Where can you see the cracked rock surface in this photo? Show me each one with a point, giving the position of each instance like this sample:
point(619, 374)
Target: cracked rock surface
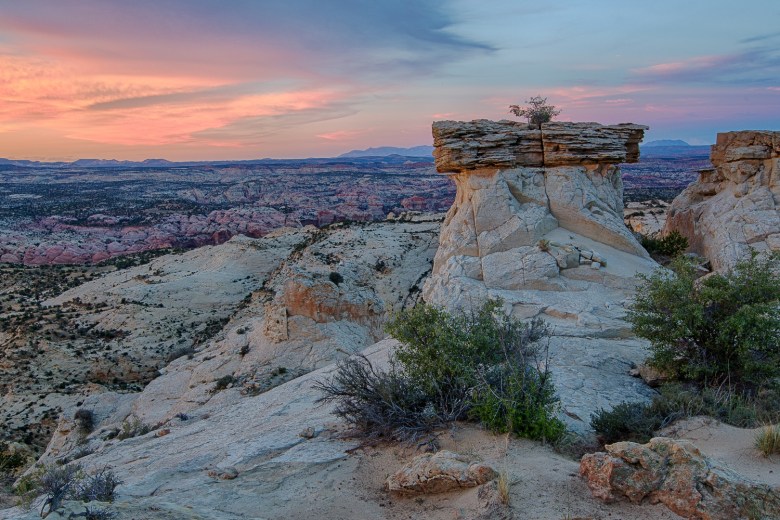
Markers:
point(735, 207)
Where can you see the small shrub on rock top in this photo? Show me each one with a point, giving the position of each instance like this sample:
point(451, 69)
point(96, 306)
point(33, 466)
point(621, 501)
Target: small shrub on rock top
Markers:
point(482, 366)
point(536, 111)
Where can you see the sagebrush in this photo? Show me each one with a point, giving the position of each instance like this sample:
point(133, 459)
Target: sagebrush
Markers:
point(480, 366)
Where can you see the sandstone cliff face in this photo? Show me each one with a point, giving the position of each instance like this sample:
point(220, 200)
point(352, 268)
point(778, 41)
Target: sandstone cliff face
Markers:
point(538, 221)
point(734, 207)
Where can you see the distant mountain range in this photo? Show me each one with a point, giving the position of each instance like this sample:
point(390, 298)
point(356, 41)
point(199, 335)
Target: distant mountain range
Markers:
point(382, 151)
point(384, 154)
point(665, 142)
point(368, 158)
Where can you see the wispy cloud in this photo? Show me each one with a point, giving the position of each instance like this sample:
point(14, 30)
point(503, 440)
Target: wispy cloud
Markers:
point(752, 67)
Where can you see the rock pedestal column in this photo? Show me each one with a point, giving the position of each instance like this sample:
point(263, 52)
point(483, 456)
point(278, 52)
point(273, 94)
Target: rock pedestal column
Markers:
point(516, 185)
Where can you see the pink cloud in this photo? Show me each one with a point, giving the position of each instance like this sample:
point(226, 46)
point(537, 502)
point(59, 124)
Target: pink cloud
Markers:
point(339, 135)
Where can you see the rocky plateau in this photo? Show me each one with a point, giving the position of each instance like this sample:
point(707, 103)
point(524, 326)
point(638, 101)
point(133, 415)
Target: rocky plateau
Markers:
point(226, 343)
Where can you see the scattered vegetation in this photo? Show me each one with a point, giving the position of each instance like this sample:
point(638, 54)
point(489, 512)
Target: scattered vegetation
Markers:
point(723, 329)
point(180, 352)
point(133, 427)
point(222, 383)
point(10, 459)
point(536, 111)
point(638, 422)
point(768, 440)
point(481, 366)
point(58, 483)
point(544, 245)
point(671, 245)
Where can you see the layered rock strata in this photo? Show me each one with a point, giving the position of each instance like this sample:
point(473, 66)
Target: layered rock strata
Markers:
point(538, 222)
point(734, 207)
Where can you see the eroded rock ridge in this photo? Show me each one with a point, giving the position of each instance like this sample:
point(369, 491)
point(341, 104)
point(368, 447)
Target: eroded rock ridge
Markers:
point(735, 206)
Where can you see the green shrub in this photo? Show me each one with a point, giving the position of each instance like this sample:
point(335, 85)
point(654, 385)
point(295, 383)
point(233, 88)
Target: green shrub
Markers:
point(626, 422)
point(723, 328)
point(222, 383)
point(639, 421)
point(335, 277)
point(519, 400)
point(133, 427)
point(671, 245)
point(483, 366)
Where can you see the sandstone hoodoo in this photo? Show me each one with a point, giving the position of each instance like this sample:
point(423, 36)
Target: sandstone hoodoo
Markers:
point(538, 222)
point(515, 185)
point(734, 207)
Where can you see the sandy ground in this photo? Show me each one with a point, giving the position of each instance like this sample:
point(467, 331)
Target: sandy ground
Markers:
point(729, 445)
point(544, 485)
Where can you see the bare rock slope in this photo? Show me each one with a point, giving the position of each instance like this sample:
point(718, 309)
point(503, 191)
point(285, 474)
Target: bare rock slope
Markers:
point(734, 207)
point(249, 314)
point(538, 222)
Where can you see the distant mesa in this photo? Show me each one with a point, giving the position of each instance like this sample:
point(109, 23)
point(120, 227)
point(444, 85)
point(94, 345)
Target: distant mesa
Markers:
point(665, 142)
point(381, 151)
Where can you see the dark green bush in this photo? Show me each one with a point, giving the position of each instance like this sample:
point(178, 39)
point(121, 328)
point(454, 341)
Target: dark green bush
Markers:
point(335, 277)
point(222, 383)
point(626, 422)
point(671, 245)
point(639, 421)
point(519, 400)
point(724, 328)
point(483, 366)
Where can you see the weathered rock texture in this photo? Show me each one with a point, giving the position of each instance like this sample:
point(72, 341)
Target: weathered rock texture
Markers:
point(676, 474)
point(272, 307)
point(439, 472)
point(538, 221)
point(734, 207)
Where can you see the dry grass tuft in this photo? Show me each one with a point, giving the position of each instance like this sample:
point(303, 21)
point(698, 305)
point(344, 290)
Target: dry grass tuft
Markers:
point(768, 440)
point(503, 487)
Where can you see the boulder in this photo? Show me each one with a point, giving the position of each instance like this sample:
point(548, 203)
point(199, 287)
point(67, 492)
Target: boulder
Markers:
point(438, 473)
point(676, 474)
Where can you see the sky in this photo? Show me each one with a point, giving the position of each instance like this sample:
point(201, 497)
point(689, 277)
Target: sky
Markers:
point(247, 79)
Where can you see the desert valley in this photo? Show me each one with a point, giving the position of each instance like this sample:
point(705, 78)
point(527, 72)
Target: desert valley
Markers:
point(389, 260)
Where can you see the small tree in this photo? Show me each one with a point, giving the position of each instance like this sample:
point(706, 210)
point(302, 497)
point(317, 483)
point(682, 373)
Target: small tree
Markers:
point(537, 111)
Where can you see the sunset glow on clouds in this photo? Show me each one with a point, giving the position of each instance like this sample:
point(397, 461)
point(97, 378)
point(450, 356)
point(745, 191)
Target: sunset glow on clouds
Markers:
point(203, 79)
